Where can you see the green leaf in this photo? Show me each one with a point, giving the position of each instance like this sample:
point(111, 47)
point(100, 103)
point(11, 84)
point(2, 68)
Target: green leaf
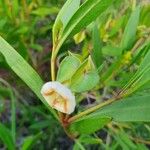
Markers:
point(144, 72)
point(121, 143)
point(30, 141)
point(110, 50)
point(133, 109)
point(36, 47)
point(145, 15)
point(122, 135)
point(89, 124)
point(118, 24)
point(23, 70)
point(5, 136)
point(87, 13)
point(141, 77)
point(40, 125)
point(69, 11)
point(86, 139)
point(85, 82)
point(129, 35)
point(78, 56)
point(64, 16)
point(67, 68)
point(79, 37)
point(84, 79)
point(78, 145)
point(97, 47)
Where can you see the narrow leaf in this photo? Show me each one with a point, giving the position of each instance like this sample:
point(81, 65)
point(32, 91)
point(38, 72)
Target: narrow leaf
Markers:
point(133, 109)
point(87, 13)
point(97, 47)
point(84, 78)
point(141, 77)
point(129, 35)
point(85, 82)
point(64, 16)
point(22, 69)
point(86, 139)
point(89, 124)
point(67, 68)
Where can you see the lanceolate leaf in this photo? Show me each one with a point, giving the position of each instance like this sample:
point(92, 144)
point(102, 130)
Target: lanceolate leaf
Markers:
point(85, 82)
point(67, 68)
point(97, 47)
point(69, 11)
point(84, 79)
point(141, 77)
point(129, 35)
point(22, 69)
point(124, 137)
point(87, 13)
point(144, 71)
point(135, 108)
point(89, 124)
point(87, 139)
point(64, 16)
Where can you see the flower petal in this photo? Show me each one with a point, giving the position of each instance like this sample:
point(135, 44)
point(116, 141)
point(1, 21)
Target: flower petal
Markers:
point(59, 97)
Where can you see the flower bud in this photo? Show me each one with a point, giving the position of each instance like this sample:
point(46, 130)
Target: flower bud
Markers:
point(59, 97)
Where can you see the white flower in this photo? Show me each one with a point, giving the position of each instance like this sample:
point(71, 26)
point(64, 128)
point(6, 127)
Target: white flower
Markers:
point(59, 97)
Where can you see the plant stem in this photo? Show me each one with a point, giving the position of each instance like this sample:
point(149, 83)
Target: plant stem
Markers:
point(53, 67)
point(55, 51)
point(90, 110)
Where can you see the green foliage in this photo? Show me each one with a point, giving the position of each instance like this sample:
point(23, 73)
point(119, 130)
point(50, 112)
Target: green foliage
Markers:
point(110, 50)
point(89, 124)
point(108, 73)
point(97, 48)
point(85, 78)
point(5, 136)
point(22, 69)
point(82, 17)
point(141, 77)
point(67, 68)
point(30, 141)
point(63, 17)
point(133, 109)
point(130, 31)
point(87, 12)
